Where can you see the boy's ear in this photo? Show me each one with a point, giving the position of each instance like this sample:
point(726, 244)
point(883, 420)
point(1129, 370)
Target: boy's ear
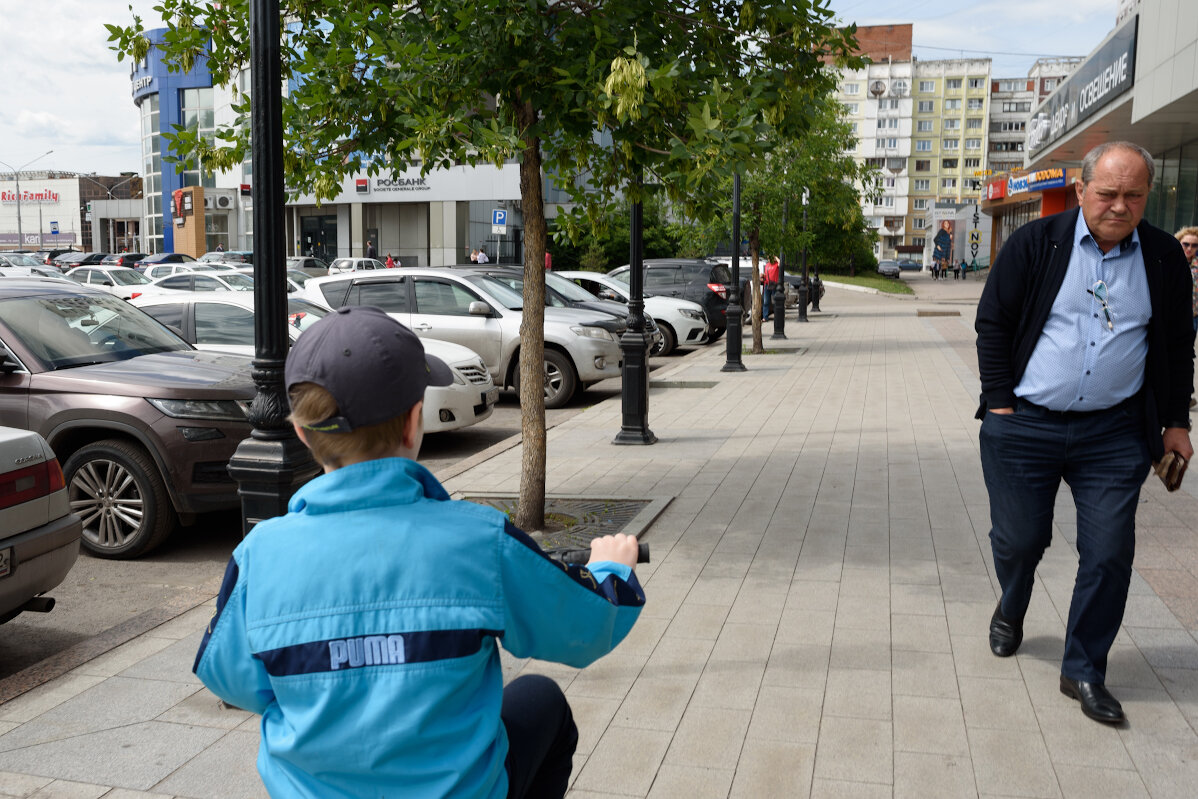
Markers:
point(412, 425)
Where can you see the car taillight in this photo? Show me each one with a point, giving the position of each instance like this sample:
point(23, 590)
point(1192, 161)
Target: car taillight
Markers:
point(31, 482)
point(719, 288)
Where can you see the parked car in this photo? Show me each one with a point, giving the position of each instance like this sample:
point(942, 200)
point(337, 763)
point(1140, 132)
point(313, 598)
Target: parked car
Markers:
point(47, 256)
point(144, 423)
point(163, 258)
point(224, 322)
point(205, 281)
point(236, 257)
point(19, 264)
point(124, 282)
point(157, 271)
point(39, 536)
point(906, 264)
point(483, 314)
point(702, 281)
point(680, 321)
point(123, 259)
point(69, 260)
point(889, 268)
point(295, 278)
point(340, 265)
point(315, 267)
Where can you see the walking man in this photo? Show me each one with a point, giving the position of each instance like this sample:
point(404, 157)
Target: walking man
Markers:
point(1085, 350)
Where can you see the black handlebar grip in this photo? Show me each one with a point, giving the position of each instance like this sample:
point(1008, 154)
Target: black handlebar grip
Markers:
point(581, 556)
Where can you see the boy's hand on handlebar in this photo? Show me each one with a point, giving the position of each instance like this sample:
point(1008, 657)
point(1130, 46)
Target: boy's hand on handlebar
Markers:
point(618, 548)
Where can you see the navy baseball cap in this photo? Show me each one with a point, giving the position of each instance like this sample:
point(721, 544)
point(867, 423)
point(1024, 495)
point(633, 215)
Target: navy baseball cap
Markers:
point(374, 367)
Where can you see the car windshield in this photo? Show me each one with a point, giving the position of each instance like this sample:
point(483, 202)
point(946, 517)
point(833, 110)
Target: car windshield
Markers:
point(624, 277)
point(68, 331)
point(16, 259)
point(568, 289)
point(302, 314)
point(238, 281)
point(299, 277)
point(128, 277)
point(504, 295)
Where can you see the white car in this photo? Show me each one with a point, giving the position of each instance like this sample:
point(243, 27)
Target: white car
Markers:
point(39, 536)
point(122, 281)
point(224, 322)
point(480, 312)
point(155, 271)
point(340, 265)
point(206, 281)
point(680, 321)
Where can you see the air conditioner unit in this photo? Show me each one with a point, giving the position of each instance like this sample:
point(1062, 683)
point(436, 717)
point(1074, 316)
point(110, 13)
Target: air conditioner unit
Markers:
point(207, 203)
point(224, 201)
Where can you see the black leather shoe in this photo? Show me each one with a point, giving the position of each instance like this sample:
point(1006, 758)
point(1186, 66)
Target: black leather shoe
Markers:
point(1005, 634)
point(1097, 702)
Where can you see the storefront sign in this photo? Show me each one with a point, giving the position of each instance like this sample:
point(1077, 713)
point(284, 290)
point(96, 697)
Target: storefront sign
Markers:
point(1046, 179)
point(1016, 185)
point(1107, 74)
point(362, 185)
point(401, 184)
point(996, 190)
point(41, 196)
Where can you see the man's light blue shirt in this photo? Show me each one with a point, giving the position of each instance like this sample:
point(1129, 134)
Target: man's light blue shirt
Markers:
point(1079, 364)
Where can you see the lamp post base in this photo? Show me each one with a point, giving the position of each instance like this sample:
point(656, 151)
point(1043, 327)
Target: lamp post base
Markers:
point(268, 472)
point(634, 390)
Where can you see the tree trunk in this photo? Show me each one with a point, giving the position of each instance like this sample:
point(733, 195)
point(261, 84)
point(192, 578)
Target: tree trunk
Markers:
point(755, 315)
point(530, 511)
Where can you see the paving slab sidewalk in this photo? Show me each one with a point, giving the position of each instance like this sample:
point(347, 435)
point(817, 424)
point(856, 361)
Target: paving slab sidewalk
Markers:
point(817, 604)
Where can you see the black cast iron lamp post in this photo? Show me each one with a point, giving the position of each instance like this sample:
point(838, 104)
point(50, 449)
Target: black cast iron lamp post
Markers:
point(634, 387)
point(779, 309)
point(803, 285)
point(733, 362)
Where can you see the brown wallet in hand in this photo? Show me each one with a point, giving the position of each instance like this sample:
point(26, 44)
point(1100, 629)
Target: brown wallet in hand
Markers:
point(1171, 469)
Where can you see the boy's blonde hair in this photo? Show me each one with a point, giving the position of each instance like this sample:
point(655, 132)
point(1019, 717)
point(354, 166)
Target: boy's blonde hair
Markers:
point(311, 404)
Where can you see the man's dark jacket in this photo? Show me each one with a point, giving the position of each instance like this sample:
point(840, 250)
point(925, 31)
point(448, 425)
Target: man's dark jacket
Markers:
point(1018, 297)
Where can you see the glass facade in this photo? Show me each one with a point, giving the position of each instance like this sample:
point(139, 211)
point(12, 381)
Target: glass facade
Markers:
point(198, 113)
point(151, 154)
point(1171, 205)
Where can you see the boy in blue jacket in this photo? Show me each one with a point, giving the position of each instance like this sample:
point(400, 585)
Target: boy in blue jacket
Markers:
point(364, 625)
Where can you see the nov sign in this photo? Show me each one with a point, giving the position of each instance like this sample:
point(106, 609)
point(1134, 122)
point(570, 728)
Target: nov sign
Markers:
point(499, 222)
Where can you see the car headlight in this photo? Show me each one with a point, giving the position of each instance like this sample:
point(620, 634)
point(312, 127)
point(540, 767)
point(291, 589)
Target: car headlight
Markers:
point(592, 332)
point(458, 380)
point(693, 314)
point(212, 410)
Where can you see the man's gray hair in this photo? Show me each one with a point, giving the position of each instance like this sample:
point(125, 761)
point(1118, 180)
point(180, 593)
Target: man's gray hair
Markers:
point(1094, 156)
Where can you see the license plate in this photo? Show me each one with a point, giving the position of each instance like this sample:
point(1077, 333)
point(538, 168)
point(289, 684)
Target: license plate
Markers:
point(5, 561)
point(491, 396)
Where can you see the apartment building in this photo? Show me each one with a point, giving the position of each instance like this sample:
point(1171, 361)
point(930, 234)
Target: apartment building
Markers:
point(1011, 104)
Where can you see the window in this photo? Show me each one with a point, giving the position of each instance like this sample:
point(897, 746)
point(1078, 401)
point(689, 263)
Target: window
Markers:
point(948, 183)
point(924, 126)
point(391, 296)
point(1010, 127)
point(972, 163)
point(952, 105)
point(976, 103)
point(852, 88)
point(927, 106)
point(442, 297)
point(1011, 85)
point(952, 124)
point(891, 143)
point(948, 163)
point(217, 323)
point(1011, 108)
point(920, 203)
point(919, 223)
point(923, 184)
point(923, 145)
point(1050, 83)
point(918, 241)
point(852, 108)
point(923, 166)
point(973, 144)
point(888, 202)
point(927, 85)
point(1006, 146)
point(853, 127)
point(889, 182)
point(952, 83)
point(951, 144)
point(973, 123)
point(977, 83)
point(891, 104)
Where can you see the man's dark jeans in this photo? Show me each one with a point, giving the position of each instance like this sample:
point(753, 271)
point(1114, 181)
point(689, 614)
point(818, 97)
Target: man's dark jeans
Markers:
point(1103, 458)
point(541, 736)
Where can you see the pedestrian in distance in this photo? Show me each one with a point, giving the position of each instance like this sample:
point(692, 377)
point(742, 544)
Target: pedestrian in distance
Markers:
point(220, 248)
point(474, 256)
point(364, 625)
point(770, 276)
point(1085, 352)
point(370, 249)
point(482, 256)
point(1188, 237)
point(390, 262)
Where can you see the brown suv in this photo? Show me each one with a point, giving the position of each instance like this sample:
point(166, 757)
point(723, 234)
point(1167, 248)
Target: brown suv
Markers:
point(143, 423)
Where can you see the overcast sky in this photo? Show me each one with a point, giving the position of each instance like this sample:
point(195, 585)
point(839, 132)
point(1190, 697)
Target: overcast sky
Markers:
point(62, 89)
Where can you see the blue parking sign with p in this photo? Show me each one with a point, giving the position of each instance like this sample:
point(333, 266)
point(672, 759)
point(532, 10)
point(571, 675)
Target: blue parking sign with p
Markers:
point(498, 216)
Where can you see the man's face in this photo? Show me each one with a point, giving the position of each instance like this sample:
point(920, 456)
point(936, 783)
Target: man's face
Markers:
point(1113, 201)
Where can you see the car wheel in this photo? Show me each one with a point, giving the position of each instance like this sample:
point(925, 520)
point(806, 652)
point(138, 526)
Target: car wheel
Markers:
point(716, 335)
point(560, 380)
point(116, 489)
point(669, 340)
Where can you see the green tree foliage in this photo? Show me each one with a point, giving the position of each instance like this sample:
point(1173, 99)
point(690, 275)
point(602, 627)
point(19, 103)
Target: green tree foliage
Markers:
point(606, 245)
point(682, 92)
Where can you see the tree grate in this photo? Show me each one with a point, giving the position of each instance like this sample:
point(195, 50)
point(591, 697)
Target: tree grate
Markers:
point(572, 522)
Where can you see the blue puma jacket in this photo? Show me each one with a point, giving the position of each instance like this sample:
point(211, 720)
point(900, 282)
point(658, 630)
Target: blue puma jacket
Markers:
point(363, 627)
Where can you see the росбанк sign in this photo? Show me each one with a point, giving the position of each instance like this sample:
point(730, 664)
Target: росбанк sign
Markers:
point(1105, 76)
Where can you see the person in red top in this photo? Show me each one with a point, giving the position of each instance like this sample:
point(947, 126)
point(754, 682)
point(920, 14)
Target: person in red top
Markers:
point(390, 262)
point(769, 281)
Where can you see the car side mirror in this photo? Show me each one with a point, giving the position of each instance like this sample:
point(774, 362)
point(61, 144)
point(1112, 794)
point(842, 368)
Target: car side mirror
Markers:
point(105, 282)
point(479, 308)
point(8, 364)
point(608, 294)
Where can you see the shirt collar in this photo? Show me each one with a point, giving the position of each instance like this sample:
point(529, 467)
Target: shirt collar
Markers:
point(1081, 233)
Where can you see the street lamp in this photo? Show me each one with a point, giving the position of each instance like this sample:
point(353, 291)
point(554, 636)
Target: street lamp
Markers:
point(733, 362)
point(804, 286)
point(16, 173)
